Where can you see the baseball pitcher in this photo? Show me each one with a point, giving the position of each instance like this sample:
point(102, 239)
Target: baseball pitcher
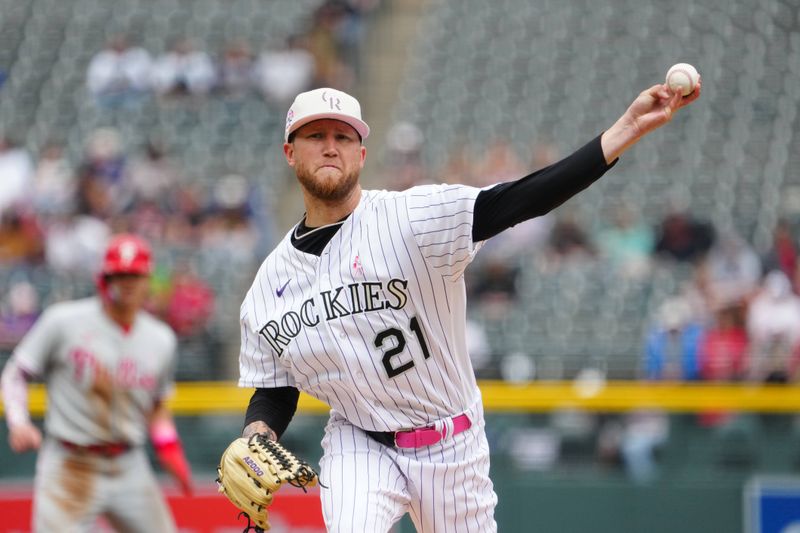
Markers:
point(362, 305)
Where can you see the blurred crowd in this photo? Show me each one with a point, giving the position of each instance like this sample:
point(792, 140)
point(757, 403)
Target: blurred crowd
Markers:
point(737, 317)
point(56, 216)
point(326, 54)
point(58, 207)
point(734, 319)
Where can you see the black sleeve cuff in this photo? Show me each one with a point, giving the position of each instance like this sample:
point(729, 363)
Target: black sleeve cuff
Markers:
point(275, 407)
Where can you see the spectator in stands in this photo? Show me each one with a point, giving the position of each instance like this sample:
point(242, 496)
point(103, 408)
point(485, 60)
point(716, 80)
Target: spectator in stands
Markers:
point(94, 198)
point(672, 345)
point(21, 237)
point(724, 355)
point(76, 245)
point(18, 312)
point(479, 348)
point(696, 292)
point(187, 212)
point(281, 74)
point(671, 354)
point(644, 432)
point(16, 174)
point(404, 166)
point(146, 217)
point(682, 237)
point(493, 286)
point(493, 276)
point(187, 302)
point(153, 175)
point(53, 182)
point(119, 75)
point(190, 303)
point(350, 30)
point(733, 269)
point(568, 241)
point(228, 232)
point(183, 71)
point(235, 70)
point(628, 244)
point(773, 326)
point(102, 188)
point(325, 46)
point(152, 180)
point(783, 253)
point(104, 157)
point(724, 346)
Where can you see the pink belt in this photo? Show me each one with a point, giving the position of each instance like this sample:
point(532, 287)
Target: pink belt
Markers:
point(427, 436)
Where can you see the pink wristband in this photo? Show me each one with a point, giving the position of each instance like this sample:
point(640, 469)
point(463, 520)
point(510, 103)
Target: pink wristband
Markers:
point(163, 434)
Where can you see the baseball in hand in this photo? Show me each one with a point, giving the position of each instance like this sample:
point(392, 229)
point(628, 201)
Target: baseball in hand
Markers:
point(682, 77)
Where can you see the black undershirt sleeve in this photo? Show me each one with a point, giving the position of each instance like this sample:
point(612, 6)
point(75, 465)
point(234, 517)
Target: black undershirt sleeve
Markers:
point(508, 204)
point(275, 407)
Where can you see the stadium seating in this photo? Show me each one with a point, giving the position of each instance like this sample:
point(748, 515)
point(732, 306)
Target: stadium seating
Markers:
point(529, 71)
point(47, 45)
point(46, 48)
point(479, 72)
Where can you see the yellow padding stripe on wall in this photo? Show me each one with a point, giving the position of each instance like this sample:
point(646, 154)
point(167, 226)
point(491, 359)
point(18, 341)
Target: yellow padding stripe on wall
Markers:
point(194, 398)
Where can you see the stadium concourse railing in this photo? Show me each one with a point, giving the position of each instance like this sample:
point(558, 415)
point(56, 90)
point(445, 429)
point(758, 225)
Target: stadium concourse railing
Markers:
point(197, 398)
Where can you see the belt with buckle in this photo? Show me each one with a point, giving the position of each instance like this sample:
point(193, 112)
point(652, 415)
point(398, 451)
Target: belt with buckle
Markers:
point(421, 437)
point(107, 449)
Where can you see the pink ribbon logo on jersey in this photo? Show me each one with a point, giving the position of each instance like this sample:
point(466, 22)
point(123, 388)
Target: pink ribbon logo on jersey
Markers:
point(357, 268)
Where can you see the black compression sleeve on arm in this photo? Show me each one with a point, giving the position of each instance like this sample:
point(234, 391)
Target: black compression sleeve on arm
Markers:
point(275, 407)
point(508, 204)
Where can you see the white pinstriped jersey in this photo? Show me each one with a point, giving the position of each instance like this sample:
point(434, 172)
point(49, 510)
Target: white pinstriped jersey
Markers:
point(374, 326)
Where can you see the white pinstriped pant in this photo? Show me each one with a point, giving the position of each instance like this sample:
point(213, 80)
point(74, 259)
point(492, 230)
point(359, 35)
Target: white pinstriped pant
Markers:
point(445, 487)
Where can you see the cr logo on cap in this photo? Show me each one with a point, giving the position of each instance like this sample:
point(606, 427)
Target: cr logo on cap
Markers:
point(333, 101)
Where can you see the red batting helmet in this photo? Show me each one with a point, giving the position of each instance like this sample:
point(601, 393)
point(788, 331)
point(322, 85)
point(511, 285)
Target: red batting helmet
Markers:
point(127, 254)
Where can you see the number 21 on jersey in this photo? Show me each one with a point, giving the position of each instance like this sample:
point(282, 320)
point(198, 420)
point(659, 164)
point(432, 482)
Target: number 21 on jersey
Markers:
point(397, 347)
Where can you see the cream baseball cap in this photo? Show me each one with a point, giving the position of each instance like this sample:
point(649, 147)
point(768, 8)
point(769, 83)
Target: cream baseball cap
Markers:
point(325, 103)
